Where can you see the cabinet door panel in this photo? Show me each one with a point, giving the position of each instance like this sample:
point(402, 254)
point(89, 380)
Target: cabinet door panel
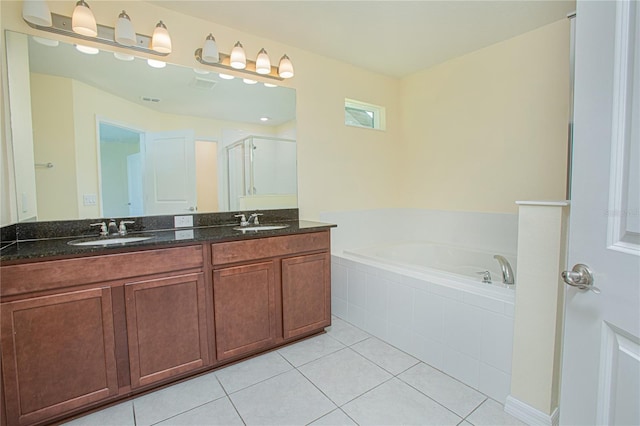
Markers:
point(57, 354)
point(244, 308)
point(306, 294)
point(166, 326)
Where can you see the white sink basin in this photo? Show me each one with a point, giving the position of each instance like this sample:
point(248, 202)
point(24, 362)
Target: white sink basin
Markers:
point(108, 241)
point(260, 227)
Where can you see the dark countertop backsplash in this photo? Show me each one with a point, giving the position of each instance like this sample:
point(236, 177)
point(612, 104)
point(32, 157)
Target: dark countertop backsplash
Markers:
point(38, 240)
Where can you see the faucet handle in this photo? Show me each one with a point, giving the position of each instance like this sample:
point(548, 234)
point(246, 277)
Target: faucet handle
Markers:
point(103, 228)
point(122, 229)
point(486, 276)
point(243, 219)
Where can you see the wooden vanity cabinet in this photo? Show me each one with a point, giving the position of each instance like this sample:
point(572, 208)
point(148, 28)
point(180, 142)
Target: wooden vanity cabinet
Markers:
point(63, 347)
point(270, 290)
point(244, 299)
point(306, 295)
point(166, 327)
point(57, 354)
point(80, 332)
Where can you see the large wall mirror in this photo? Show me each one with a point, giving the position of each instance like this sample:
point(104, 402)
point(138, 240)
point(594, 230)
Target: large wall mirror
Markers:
point(99, 134)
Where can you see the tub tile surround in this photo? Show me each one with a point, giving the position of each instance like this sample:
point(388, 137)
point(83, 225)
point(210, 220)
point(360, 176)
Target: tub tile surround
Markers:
point(488, 231)
point(435, 324)
point(371, 382)
point(468, 335)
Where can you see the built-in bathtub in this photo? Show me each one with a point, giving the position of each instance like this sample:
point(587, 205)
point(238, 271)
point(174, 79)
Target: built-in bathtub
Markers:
point(460, 267)
point(428, 300)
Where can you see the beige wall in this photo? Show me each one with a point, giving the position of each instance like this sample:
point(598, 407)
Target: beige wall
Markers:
point(475, 133)
point(489, 128)
point(54, 142)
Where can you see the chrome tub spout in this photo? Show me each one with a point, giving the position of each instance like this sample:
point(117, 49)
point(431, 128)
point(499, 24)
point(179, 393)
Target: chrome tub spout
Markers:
point(507, 272)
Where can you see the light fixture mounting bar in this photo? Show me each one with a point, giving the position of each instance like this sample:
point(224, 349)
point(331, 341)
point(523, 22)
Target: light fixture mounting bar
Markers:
point(106, 35)
point(250, 68)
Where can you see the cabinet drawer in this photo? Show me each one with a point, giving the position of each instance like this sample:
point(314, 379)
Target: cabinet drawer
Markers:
point(251, 250)
point(17, 279)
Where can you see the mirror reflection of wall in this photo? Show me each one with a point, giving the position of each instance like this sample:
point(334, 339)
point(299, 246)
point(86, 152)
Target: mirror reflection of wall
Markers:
point(79, 102)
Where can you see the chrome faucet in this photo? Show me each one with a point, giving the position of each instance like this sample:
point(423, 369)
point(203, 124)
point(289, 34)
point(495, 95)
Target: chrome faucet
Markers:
point(113, 227)
point(507, 272)
point(254, 217)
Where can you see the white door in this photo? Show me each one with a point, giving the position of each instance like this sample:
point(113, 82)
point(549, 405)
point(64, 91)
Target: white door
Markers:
point(170, 172)
point(134, 184)
point(601, 357)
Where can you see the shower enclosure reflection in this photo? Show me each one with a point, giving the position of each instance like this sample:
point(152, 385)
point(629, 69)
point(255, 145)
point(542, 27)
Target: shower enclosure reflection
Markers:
point(261, 173)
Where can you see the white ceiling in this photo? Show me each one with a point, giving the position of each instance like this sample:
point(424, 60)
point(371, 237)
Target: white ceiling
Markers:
point(395, 38)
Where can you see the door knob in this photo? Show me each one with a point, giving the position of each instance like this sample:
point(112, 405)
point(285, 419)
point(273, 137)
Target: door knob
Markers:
point(581, 277)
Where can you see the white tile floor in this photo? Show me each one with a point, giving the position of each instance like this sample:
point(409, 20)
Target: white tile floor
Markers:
point(344, 377)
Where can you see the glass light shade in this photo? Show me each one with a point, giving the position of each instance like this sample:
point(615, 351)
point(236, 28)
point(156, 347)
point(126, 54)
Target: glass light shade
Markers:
point(36, 12)
point(123, 56)
point(285, 68)
point(125, 35)
point(83, 22)
point(154, 63)
point(249, 81)
point(263, 63)
point(210, 50)
point(161, 40)
point(270, 85)
point(46, 41)
point(238, 59)
point(226, 76)
point(200, 71)
point(87, 49)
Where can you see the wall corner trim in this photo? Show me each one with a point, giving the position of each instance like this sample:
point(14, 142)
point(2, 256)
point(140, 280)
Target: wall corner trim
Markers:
point(530, 415)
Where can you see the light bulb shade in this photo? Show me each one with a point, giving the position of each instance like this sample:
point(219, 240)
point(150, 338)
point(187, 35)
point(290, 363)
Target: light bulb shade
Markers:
point(125, 35)
point(285, 68)
point(263, 63)
point(89, 50)
point(83, 22)
point(123, 56)
point(210, 50)
point(154, 63)
point(36, 12)
point(238, 59)
point(160, 40)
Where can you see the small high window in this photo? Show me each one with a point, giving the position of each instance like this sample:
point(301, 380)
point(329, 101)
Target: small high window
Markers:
point(362, 114)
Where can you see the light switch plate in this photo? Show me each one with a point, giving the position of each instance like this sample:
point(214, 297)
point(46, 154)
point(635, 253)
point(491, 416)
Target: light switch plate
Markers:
point(89, 199)
point(183, 221)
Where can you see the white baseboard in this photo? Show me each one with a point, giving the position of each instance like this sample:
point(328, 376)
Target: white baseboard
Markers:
point(530, 415)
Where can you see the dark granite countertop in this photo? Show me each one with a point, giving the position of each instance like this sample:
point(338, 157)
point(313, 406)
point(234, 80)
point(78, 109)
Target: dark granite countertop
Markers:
point(42, 249)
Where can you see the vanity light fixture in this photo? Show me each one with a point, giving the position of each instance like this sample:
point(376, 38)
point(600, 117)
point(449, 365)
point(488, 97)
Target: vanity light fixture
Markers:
point(124, 33)
point(82, 21)
point(36, 12)
point(161, 40)
point(210, 50)
point(285, 67)
point(263, 63)
point(238, 59)
point(82, 25)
